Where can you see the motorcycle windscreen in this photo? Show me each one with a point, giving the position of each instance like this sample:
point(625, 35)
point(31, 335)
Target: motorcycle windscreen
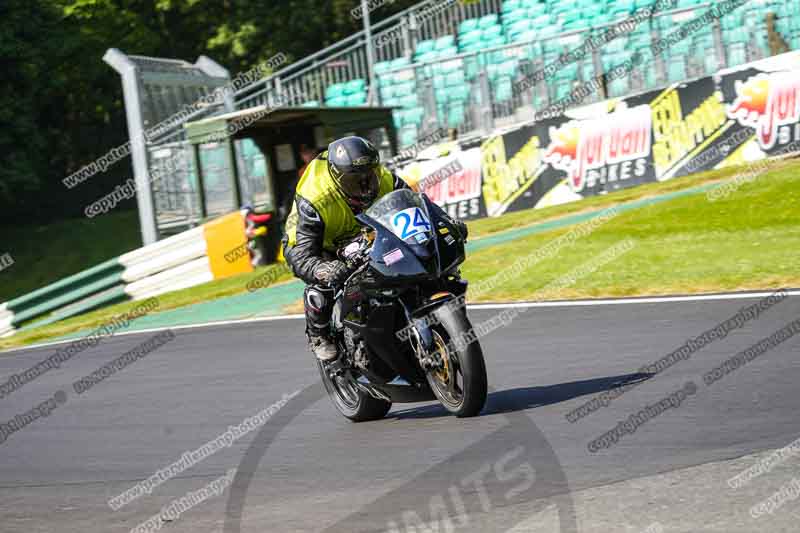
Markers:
point(405, 214)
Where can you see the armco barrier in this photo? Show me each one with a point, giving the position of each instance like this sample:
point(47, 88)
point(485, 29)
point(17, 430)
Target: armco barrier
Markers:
point(741, 115)
point(178, 262)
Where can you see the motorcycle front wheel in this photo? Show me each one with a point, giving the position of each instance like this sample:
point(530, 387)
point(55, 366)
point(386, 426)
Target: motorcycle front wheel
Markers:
point(460, 383)
point(351, 401)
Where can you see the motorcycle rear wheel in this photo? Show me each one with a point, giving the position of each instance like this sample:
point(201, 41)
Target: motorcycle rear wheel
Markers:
point(352, 402)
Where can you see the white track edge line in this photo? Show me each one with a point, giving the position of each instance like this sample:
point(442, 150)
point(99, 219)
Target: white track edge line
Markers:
point(477, 307)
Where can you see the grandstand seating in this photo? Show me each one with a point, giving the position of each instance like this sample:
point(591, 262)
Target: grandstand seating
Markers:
point(544, 29)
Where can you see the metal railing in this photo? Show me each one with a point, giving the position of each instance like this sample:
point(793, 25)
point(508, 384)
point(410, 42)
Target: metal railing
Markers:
point(393, 37)
point(488, 103)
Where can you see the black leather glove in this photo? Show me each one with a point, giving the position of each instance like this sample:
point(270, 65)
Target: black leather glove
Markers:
point(331, 272)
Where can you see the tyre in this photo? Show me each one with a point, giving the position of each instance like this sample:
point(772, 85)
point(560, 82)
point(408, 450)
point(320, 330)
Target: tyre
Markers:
point(351, 401)
point(460, 385)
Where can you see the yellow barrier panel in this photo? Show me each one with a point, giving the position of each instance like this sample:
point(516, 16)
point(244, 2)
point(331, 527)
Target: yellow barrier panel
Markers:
point(227, 246)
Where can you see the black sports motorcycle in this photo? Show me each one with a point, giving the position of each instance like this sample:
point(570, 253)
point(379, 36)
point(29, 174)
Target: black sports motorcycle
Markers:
point(399, 320)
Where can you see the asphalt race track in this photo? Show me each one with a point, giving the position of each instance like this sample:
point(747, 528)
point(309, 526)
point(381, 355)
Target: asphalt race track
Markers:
point(521, 466)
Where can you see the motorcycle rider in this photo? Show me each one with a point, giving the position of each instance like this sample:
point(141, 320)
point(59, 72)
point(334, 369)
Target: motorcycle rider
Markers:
point(338, 184)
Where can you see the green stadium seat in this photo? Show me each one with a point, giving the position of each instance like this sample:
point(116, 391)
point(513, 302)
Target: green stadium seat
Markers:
point(400, 62)
point(619, 86)
point(470, 37)
point(357, 99)
point(427, 56)
point(562, 90)
point(736, 35)
point(409, 100)
point(508, 68)
point(553, 47)
point(676, 71)
point(732, 21)
point(511, 5)
point(472, 47)
point(355, 86)
point(423, 47)
point(761, 38)
point(471, 67)
point(451, 66)
point(382, 66)
point(587, 70)
point(737, 54)
point(500, 40)
point(310, 103)
point(468, 26)
point(503, 90)
point(593, 13)
point(413, 115)
point(548, 31)
point(337, 101)
point(515, 16)
point(535, 9)
point(335, 90)
point(492, 32)
point(519, 26)
point(650, 77)
point(456, 114)
point(527, 36)
point(407, 135)
point(385, 80)
point(455, 78)
point(450, 51)
point(459, 93)
point(404, 89)
point(541, 21)
point(446, 42)
point(786, 10)
point(397, 116)
point(783, 26)
point(387, 91)
point(569, 15)
point(488, 20)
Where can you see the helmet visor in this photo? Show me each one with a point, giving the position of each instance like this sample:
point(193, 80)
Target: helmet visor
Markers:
point(361, 187)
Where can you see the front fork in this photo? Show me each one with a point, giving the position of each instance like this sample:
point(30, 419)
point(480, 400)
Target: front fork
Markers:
point(420, 333)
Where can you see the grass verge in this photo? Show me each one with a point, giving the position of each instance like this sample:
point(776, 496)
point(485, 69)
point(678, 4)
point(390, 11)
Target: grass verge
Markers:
point(172, 300)
point(76, 244)
point(747, 240)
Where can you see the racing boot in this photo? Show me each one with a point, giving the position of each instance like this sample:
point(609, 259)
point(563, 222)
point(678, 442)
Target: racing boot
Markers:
point(318, 307)
point(322, 347)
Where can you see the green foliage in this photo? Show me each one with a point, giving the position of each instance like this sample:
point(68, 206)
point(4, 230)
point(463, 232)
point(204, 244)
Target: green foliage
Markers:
point(63, 106)
point(46, 252)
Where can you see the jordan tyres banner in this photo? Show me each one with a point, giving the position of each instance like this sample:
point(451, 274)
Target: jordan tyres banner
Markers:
point(514, 173)
point(763, 105)
point(453, 182)
point(738, 116)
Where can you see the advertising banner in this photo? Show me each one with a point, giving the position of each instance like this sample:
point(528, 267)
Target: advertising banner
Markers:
point(740, 115)
point(453, 182)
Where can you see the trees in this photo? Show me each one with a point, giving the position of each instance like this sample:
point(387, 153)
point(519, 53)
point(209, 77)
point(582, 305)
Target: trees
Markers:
point(62, 107)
